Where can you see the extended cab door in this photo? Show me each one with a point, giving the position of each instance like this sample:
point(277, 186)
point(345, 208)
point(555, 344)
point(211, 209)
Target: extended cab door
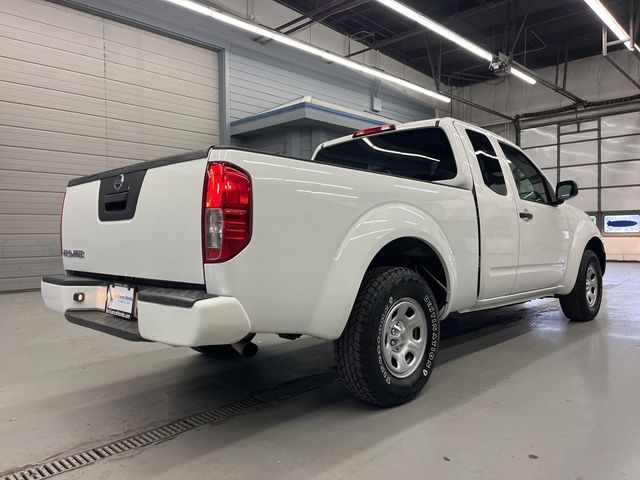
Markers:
point(543, 227)
point(497, 215)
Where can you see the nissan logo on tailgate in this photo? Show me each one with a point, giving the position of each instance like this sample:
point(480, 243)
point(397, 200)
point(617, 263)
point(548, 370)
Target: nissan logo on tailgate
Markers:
point(118, 182)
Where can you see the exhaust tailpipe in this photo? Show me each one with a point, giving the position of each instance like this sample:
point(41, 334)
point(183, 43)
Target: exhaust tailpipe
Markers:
point(246, 347)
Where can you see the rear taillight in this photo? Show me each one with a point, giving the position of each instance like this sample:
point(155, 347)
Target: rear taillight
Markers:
point(61, 215)
point(226, 212)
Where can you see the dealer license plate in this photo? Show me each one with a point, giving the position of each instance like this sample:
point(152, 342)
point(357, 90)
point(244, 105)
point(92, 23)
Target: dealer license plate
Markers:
point(120, 300)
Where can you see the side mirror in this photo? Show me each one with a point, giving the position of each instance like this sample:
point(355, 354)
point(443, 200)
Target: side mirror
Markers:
point(566, 190)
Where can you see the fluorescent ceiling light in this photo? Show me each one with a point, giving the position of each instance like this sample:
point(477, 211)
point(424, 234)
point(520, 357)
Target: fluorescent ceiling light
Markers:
point(305, 47)
point(610, 22)
point(437, 28)
point(449, 35)
point(527, 78)
point(530, 80)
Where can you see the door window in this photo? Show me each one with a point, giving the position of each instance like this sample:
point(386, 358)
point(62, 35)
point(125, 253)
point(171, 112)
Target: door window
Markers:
point(530, 183)
point(488, 161)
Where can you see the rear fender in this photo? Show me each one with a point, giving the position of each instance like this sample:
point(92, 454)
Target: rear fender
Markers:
point(365, 239)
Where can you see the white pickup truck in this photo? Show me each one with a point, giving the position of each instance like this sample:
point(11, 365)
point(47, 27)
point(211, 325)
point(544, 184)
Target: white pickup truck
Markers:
point(371, 243)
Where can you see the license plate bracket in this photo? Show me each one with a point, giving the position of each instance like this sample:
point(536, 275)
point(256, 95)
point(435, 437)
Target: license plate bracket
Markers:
point(120, 300)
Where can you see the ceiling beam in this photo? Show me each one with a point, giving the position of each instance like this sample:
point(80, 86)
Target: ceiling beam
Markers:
point(481, 107)
point(314, 16)
point(457, 16)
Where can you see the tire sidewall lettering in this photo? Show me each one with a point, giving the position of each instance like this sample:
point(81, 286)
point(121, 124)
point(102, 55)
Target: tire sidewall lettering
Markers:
point(433, 333)
point(431, 352)
point(382, 367)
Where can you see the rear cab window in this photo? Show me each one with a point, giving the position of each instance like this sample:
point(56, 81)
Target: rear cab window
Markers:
point(420, 154)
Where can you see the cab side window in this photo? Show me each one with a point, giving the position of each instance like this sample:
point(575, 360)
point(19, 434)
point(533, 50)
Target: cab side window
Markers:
point(488, 161)
point(529, 181)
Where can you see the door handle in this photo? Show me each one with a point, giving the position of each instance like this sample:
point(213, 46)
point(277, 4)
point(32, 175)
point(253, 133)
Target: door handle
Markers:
point(115, 201)
point(526, 216)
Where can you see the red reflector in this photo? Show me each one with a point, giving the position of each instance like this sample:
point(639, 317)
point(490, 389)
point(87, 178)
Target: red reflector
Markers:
point(226, 212)
point(369, 131)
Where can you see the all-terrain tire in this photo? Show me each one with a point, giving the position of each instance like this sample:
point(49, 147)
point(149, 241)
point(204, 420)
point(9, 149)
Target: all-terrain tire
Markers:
point(583, 302)
point(358, 351)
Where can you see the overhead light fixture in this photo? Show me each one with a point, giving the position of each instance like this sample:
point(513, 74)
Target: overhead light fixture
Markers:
point(305, 47)
point(601, 11)
point(449, 35)
point(523, 76)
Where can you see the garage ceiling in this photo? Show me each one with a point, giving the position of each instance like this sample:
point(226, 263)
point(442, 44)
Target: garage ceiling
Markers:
point(552, 31)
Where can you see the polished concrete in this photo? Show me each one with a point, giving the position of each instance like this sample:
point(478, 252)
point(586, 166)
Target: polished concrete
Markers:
point(519, 393)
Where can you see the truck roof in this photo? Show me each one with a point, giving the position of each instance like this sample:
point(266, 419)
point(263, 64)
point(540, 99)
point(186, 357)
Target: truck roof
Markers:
point(403, 126)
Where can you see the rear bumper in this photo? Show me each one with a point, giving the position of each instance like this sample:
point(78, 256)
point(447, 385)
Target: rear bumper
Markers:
point(173, 316)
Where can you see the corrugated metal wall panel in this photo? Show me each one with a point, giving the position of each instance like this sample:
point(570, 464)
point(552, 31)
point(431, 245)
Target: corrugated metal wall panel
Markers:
point(37, 203)
point(25, 245)
point(257, 73)
point(19, 283)
point(174, 120)
point(80, 94)
point(296, 141)
point(48, 161)
point(272, 142)
point(256, 86)
point(20, 224)
point(44, 94)
point(305, 142)
point(12, 180)
point(12, 268)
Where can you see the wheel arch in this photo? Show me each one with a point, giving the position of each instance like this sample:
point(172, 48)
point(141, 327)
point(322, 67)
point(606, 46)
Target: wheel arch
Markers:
point(420, 256)
point(580, 244)
point(597, 247)
point(379, 235)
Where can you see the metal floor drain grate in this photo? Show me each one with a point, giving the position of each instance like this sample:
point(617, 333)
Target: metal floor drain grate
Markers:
point(169, 430)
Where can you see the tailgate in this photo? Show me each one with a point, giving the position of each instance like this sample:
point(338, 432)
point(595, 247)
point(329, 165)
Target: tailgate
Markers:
point(141, 221)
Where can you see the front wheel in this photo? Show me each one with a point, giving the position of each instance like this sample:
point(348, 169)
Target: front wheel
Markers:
point(583, 303)
point(387, 350)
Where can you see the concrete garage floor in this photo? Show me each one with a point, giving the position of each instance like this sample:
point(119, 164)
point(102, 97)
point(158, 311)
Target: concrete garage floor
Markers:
point(518, 393)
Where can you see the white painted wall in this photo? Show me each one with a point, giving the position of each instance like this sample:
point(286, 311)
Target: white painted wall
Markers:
point(272, 62)
point(592, 79)
point(80, 94)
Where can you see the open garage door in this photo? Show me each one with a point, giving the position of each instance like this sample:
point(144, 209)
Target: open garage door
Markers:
point(80, 94)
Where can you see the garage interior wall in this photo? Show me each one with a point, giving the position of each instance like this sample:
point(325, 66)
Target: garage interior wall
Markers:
point(602, 154)
point(599, 151)
point(256, 85)
point(80, 94)
point(263, 76)
point(89, 85)
point(591, 78)
point(293, 141)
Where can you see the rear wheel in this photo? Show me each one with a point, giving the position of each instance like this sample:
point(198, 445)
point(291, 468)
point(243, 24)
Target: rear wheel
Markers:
point(583, 303)
point(387, 350)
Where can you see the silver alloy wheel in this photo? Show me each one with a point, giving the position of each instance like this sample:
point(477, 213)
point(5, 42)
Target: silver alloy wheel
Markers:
point(404, 338)
point(591, 286)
